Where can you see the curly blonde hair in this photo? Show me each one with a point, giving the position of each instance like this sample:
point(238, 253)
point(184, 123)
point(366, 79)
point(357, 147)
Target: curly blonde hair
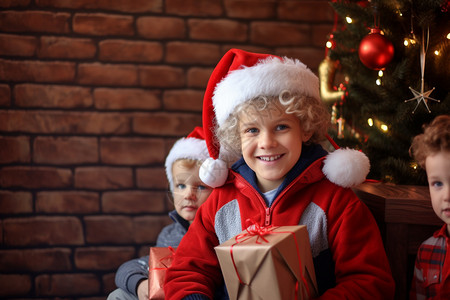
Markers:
point(312, 113)
point(434, 139)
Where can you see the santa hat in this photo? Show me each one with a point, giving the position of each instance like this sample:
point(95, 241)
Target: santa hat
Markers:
point(240, 76)
point(191, 147)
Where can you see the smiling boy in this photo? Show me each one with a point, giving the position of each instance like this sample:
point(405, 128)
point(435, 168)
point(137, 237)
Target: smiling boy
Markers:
point(267, 110)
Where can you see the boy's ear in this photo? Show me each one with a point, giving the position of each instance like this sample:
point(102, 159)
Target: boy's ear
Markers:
point(306, 136)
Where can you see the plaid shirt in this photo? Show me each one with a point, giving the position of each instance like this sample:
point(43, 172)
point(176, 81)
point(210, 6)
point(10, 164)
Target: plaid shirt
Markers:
point(432, 268)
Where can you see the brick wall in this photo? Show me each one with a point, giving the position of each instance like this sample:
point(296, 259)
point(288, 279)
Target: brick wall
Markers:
point(92, 96)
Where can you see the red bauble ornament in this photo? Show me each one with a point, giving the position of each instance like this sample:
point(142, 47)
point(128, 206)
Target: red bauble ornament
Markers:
point(375, 50)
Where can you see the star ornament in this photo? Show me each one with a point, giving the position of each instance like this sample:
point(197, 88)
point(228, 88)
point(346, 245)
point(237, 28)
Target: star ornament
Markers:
point(422, 97)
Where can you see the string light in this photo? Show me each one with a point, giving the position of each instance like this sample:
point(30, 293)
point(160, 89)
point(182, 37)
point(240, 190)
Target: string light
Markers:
point(378, 81)
point(384, 127)
point(349, 20)
point(370, 122)
point(436, 52)
point(329, 45)
point(380, 73)
point(448, 36)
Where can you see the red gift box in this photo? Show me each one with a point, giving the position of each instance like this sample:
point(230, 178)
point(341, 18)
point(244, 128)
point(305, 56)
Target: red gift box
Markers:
point(160, 259)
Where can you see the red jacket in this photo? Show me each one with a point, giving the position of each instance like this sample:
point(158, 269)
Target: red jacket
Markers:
point(348, 253)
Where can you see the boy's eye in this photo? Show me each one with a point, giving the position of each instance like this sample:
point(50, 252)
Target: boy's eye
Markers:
point(181, 186)
point(202, 188)
point(251, 130)
point(436, 184)
point(281, 127)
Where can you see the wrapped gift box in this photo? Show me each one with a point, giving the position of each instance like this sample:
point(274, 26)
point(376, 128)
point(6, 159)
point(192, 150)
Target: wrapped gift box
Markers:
point(160, 259)
point(275, 264)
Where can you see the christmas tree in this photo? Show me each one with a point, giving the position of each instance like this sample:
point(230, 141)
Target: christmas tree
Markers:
point(395, 59)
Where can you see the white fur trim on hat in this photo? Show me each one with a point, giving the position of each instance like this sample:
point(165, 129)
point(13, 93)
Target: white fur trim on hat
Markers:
point(213, 172)
point(269, 77)
point(185, 148)
point(346, 167)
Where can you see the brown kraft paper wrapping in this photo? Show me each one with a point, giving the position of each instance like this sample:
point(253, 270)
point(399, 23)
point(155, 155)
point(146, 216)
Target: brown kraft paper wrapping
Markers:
point(267, 266)
point(160, 259)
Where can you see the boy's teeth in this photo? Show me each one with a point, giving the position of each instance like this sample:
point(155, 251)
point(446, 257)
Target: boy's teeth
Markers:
point(271, 158)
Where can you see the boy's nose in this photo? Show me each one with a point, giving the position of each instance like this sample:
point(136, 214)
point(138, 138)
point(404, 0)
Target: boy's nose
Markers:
point(267, 140)
point(191, 193)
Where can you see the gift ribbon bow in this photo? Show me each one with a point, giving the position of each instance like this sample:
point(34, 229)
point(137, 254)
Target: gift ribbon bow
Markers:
point(254, 229)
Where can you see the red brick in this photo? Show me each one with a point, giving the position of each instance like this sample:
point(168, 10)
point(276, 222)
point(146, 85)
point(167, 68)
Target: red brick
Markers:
point(37, 71)
point(66, 48)
point(217, 30)
point(67, 285)
point(70, 202)
point(161, 76)
point(166, 124)
point(64, 122)
point(130, 51)
point(15, 203)
point(5, 95)
point(131, 151)
point(55, 96)
point(320, 34)
point(102, 178)
point(194, 7)
point(103, 24)
point(134, 6)
point(109, 229)
point(14, 3)
point(14, 149)
point(251, 9)
point(40, 231)
point(151, 178)
point(306, 11)
point(280, 34)
point(186, 100)
point(17, 45)
point(198, 77)
point(102, 258)
point(309, 56)
point(107, 74)
point(65, 150)
point(193, 53)
point(36, 260)
point(109, 284)
point(161, 28)
point(127, 99)
point(34, 21)
point(30, 177)
point(147, 228)
point(133, 202)
point(14, 285)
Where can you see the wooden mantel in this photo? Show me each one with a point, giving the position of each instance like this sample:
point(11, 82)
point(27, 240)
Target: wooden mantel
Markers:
point(406, 218)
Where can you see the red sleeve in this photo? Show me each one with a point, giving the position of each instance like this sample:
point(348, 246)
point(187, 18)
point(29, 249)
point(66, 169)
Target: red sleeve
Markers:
point(361, 266)
point(195, 268)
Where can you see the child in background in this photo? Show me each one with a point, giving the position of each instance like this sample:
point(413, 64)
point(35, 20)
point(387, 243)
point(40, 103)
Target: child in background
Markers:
point(188, 192)
point(268, 109)
point(431, 150)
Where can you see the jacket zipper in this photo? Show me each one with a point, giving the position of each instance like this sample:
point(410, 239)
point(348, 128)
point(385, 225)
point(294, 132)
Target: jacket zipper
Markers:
point(267, 219)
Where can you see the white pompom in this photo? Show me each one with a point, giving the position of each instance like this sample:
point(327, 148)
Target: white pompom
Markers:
point(346, 167)
point(213, 172)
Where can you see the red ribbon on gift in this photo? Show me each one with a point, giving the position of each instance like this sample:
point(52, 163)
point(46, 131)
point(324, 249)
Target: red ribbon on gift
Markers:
point(255, 229)
point(165, 258)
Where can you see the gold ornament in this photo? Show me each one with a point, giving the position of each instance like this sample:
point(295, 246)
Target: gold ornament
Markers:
point(327, 71)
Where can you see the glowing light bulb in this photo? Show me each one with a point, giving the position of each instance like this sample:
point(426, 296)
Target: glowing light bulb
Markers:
point(406, 42)
point(370, 122)
point(380, 73)
point(349, 20)
point(384, 127)
point(378, 81)
point(329, 44)
point(436, 52)
point(448, 35)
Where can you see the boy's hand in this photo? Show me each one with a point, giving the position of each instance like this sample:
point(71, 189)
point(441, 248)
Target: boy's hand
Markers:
point(142, 290)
